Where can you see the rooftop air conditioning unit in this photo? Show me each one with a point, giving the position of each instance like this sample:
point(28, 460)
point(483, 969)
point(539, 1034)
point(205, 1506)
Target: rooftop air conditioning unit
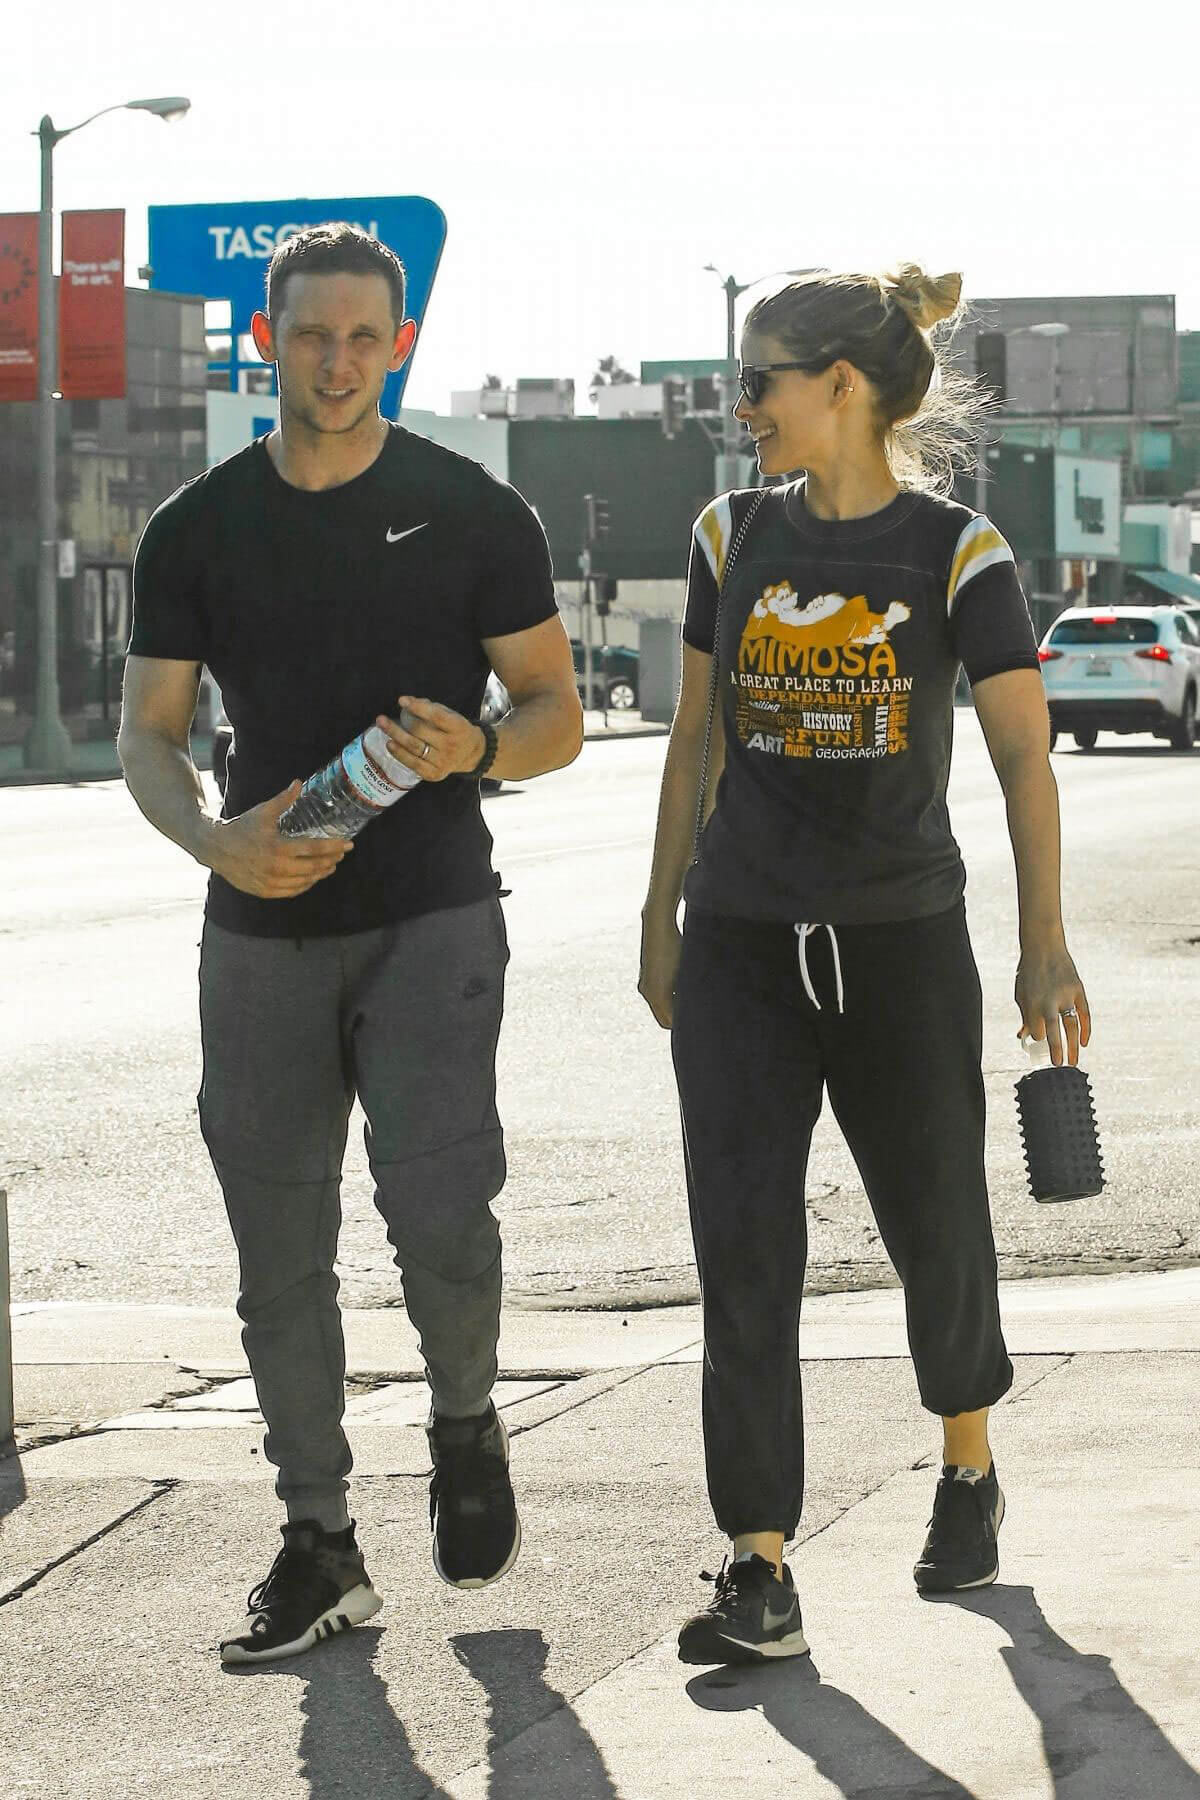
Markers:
point(544, 397)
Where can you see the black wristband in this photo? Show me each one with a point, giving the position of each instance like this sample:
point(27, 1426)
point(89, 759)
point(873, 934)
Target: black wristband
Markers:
point(490, 747)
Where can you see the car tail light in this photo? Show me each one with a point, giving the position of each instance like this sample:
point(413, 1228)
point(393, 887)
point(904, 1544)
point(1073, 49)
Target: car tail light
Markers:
point(1049, 655)
point(1155, 653)
point(1104, 618)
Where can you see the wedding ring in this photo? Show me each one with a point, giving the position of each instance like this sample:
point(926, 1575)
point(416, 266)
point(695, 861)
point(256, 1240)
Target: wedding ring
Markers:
point(424, 750)
point(1067, 1012)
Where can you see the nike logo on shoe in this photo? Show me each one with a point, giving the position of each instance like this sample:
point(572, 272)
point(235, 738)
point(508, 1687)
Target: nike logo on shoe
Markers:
point(393, 537)
point(773, 1620)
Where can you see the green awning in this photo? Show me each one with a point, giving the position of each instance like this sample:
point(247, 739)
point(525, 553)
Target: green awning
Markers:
point(1180, 587)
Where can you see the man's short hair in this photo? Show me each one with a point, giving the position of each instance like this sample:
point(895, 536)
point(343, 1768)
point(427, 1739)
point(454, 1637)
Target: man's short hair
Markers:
point(334, 249)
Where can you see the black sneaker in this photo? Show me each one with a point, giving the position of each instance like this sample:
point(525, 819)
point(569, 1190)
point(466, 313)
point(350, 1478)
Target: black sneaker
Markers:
point(961, 1550)
point(317, 1587)
point(477, 1533)
point(753, 1617)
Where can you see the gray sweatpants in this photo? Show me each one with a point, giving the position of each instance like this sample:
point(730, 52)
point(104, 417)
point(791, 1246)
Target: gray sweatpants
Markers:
point(406, 1017)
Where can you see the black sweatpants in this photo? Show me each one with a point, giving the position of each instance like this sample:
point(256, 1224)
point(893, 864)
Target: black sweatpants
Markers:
point(889, 1019)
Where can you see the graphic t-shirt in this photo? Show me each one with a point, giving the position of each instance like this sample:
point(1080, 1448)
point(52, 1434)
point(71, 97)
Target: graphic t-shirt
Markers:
point(840, 646)
point(315, 611)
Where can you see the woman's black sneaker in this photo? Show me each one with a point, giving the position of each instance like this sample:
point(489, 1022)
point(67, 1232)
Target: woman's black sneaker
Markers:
point(317, 1587)
point(753, 1617)
point(477, 1533)
point(961, 1549)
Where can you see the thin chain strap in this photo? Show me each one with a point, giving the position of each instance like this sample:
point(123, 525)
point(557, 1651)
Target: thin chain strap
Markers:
point(714, 672)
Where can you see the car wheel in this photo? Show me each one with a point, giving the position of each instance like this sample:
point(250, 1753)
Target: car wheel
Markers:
point(1184, 734)
point(1086, 739)
point(622, 696)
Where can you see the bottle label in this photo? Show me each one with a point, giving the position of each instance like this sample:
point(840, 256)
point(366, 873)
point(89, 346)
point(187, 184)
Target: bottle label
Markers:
point(369, 781)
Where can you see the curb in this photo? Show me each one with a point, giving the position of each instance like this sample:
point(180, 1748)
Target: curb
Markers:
point(599, 734)
point(57, 777)
point(595, 734)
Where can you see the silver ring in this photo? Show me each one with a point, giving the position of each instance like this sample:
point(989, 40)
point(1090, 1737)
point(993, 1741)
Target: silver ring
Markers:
point(1067, 1012)
point(424, 750)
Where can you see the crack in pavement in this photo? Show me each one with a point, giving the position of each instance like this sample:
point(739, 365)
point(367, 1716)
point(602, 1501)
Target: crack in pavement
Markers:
point(161, 1486)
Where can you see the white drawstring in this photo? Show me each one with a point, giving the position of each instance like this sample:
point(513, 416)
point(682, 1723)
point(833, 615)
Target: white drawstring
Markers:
point(803, 933)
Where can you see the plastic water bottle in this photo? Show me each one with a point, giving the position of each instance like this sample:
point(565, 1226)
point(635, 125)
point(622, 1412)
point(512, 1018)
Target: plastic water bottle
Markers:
point(1058, 1128)
point(361, 782)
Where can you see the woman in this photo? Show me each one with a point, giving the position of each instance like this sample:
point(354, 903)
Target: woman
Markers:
point(825, 942)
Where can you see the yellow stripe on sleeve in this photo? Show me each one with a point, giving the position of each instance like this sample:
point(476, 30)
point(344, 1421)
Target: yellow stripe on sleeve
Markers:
point(712, 535)
point(979, 547)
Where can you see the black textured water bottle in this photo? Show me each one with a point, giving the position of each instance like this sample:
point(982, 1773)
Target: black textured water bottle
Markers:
point(1058, 1129)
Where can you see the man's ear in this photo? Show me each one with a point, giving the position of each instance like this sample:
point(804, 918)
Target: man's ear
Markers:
point(406, 337)
point(264, 337)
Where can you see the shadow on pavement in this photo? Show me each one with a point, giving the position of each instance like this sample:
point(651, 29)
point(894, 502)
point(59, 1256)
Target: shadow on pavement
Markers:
point(352, 1745)
point(1088, 1719)
point(846, 1744)
point(13, 1492)
point(509, 1666)
point(1097, 1741)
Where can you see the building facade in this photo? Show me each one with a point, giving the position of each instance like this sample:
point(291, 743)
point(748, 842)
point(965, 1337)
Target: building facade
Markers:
point(117, 459)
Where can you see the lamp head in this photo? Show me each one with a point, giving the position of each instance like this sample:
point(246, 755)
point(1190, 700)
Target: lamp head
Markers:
point(170, 106)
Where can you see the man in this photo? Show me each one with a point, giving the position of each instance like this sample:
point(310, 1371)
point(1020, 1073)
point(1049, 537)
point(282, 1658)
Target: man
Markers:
point(330, 575)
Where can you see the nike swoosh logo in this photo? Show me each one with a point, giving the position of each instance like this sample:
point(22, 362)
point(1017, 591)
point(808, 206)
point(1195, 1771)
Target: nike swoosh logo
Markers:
point(393, 537)
point(773, 1620)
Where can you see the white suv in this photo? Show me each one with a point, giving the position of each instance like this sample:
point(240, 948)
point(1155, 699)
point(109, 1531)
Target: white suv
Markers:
point(1124, 669)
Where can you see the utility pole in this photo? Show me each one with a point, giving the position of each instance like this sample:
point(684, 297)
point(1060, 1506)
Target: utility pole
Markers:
point(48, 744)
point(595, 528)
point(727, 461)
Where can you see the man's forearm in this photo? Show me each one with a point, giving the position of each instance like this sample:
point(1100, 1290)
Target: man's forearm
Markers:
point(163, 779)
point(541, 733)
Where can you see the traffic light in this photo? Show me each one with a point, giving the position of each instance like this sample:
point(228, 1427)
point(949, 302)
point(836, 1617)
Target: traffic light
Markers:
point(674, 404)
point(595, 519)
point(606, 593)
point(991, 363)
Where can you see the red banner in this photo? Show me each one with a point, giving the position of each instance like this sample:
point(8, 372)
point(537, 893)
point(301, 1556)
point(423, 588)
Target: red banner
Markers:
point(91, 306)
point(18, 306)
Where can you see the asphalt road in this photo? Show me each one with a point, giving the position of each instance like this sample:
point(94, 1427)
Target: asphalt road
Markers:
point(110, 1191)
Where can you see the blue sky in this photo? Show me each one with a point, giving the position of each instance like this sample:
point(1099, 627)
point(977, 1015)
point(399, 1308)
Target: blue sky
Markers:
point(591, 160)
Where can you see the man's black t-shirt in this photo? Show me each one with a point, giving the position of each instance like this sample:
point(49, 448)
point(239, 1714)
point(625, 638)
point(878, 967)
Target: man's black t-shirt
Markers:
point(314, 612)
point(840, 645)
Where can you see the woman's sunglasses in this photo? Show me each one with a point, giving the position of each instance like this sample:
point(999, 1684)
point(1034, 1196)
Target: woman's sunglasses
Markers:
point(754, 378)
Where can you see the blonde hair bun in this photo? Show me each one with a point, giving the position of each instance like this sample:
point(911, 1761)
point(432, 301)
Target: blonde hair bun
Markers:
point(927, 299)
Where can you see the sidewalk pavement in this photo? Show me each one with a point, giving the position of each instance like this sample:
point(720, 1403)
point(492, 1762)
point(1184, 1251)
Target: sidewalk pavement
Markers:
point(139, 1511)
point(95, 759)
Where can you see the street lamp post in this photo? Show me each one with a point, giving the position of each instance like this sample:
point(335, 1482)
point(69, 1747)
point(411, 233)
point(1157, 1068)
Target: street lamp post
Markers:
point(1053, 330)
point(48, 745)
point(726, 469)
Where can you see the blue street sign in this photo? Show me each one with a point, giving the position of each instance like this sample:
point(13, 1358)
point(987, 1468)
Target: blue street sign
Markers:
point(222, 252)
